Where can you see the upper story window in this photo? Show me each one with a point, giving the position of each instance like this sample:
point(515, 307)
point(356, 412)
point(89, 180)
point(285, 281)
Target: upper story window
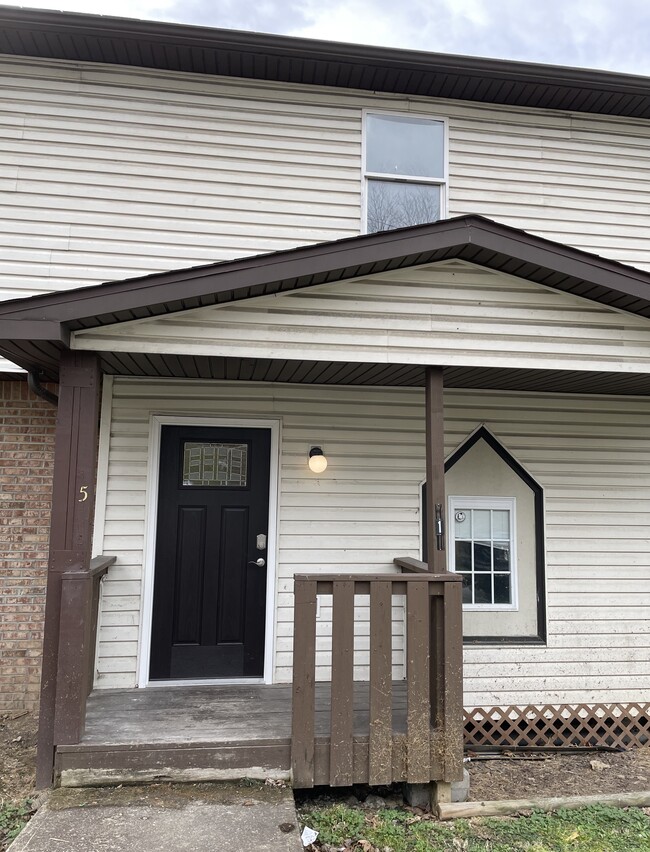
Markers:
point(405, 171)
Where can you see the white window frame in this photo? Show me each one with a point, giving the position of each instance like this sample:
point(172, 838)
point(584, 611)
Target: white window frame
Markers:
point(509, 503)
point(442, 182)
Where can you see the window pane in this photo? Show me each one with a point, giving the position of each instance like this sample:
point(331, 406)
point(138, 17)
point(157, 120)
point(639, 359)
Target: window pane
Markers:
point(482, 556)
point(215, 465)
point(501, 555)
point(463, 556)
point(397, 145)
point(463, 522)
point(467, 588)
point(481, 523)
point(392, 204)
point(501, 523)
point(483, 588)
point(502, 589)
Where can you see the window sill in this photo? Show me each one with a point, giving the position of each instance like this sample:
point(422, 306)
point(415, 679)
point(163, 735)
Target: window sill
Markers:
point(492, 641)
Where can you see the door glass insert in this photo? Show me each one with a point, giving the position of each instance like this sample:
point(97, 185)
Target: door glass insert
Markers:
point(217, 465)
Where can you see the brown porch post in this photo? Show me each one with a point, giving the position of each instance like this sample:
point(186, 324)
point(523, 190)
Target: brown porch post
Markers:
point(436, 553)
point(73, 502)
point(435, 450)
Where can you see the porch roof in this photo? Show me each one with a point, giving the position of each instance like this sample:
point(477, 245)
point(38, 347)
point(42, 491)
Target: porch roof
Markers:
point(33, 331)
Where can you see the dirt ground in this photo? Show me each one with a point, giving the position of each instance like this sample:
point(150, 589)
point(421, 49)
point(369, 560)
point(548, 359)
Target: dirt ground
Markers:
point(522, 776)
point(508, 776)
point(17, 756)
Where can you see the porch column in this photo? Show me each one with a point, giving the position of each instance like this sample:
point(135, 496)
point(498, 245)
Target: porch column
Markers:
point(435, 450)
point(73, 503)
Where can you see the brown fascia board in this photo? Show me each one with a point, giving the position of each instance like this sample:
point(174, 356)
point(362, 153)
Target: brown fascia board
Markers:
point(331, 261)
point(95, 38)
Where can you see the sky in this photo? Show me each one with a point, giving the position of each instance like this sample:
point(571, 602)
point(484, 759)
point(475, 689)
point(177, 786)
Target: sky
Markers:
point(607, 34)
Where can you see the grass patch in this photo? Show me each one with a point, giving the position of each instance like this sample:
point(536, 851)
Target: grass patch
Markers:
point(593, 829)
point(12, 819)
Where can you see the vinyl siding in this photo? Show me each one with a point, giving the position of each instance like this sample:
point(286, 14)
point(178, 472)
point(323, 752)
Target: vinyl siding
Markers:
point(591, 455)
point(111, 172)
point(451, 313)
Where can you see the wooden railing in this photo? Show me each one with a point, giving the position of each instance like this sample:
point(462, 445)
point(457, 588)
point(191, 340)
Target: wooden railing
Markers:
point(77, 642)
point(420, 743)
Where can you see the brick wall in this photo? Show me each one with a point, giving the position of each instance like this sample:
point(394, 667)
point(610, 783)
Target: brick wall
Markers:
point(26, 461)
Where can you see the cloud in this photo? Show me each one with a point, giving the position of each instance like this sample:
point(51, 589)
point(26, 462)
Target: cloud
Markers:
point(590, 33)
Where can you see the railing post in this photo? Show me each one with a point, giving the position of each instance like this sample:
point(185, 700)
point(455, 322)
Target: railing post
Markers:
point(76, 647)
point(304, 677)
point(452, 693)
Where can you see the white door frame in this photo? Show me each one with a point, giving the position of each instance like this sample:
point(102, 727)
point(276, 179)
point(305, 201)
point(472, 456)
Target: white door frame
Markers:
point(157, 421)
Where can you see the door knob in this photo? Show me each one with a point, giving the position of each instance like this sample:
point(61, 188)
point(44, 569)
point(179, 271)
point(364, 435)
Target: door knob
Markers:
point(259, 562)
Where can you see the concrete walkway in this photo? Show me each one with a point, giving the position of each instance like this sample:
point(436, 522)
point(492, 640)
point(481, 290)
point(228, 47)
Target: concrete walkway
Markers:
point(164, 818)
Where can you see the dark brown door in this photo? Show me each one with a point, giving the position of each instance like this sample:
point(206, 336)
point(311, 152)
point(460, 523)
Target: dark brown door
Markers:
point(209, 593)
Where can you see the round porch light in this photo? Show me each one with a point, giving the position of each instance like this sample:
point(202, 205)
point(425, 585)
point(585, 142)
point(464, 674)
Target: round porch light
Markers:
point(317, 461)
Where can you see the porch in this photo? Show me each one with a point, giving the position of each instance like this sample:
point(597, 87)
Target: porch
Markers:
point(341, 732)
point(372, 392)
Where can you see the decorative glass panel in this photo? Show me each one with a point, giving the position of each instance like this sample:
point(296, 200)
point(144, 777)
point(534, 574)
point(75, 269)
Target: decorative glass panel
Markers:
point(215, 465)
point(393, 204)
point(401, 145)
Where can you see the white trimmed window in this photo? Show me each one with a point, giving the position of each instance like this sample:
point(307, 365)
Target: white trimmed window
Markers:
point(405, 165)
point(482, 548)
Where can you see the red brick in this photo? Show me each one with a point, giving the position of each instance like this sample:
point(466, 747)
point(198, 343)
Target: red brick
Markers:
point(26, 460)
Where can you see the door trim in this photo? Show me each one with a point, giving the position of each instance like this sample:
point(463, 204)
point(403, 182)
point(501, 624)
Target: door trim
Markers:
point(156, 422)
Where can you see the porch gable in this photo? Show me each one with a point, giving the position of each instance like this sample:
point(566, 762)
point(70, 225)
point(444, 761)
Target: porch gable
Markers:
point(450, 312)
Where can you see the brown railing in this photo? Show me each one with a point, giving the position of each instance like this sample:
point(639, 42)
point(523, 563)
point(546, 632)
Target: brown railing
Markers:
point(77, 642)
point(379, 738)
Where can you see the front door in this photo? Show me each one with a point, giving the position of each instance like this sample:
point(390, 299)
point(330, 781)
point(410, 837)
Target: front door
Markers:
point(210, 567)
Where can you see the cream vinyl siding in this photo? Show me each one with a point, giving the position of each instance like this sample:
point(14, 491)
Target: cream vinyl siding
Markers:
point(451, 313)
point(108, 173)
point(591, 455)
point(111, 172)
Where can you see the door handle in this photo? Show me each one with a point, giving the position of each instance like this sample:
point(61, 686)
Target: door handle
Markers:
point(261, 562)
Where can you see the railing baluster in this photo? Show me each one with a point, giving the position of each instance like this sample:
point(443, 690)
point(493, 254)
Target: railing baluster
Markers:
point(453, 682)
point(342, 710)
point(304, 676)
point(418, 727)
point(380, 746)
